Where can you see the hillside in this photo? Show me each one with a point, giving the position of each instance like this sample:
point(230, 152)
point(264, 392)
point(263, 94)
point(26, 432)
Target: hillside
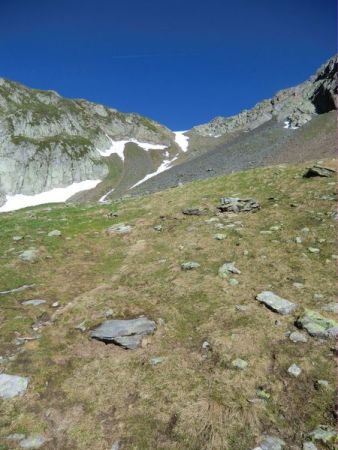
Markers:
point(57, 149)
point(221, 370)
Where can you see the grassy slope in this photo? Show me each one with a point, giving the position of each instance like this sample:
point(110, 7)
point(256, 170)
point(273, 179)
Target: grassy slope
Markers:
point(85, 394)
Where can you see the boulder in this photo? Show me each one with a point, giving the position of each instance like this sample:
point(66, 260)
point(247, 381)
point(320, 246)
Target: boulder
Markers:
point(126, 333)
point(190, 265)
point(324, 434)
point(276, 303)
point(54, 233)
point(235, 205)
point(317, 325)
point(228, 268)
point(33, 442)
point(271, 443)
point(29, 255)
point(119, 228)
point(318, 171)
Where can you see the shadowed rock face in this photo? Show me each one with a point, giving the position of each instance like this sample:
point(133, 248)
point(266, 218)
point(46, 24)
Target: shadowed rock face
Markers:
point(126, 333)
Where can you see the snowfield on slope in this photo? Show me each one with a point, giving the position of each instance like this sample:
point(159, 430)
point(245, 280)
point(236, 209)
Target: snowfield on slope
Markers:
point(117, 147)
point(56, 195)
point(182, 140)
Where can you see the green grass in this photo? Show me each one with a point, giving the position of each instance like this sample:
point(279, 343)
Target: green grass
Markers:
point(96, 393)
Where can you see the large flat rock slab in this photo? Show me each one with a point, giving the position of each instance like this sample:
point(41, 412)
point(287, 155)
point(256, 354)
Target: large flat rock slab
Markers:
point(126, 333)
point(276, 303)
point(12, 385)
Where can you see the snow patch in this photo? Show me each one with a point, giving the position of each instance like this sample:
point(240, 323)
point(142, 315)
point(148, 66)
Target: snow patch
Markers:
point(163, 167)
point(117, 147)
point(182, 140)
point(103, 198)
point(56, 195)
point(287, 125)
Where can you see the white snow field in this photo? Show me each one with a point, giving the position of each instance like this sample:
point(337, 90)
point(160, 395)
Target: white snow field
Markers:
point(56, 195)
point(182, 140)
point(117, 147)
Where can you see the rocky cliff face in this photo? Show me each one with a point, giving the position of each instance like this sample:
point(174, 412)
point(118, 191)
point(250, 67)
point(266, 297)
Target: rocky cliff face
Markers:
point(47, 141)
point(291, 107)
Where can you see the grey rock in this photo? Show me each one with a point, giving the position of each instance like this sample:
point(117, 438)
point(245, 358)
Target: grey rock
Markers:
point(17, 238)
point(235, 205)
point(313, 250)
point(127, 333)
point(194, 211)
point(294, 370)
point(317, 325)
point(81, 326)
point(158, 228)
point(34, 302)
point(12, 385)
point(309, 446)
point(323, 434)
point(296, 337)
point(190, 265)
point(30, 255)
point(321, 384)
point(119, 228)
point(262, 394)
point(54, 233)
point(228, 268)
point(156, 360)
point(36, 441)
point(318, 171)
point(239, 363)
point(116, 445)
point(331, 307)
point(271, 443)
point(16, 437)
point(276, 303)
point(298, 285)
point(219, 236)
point(19, 289)
point(233, 282)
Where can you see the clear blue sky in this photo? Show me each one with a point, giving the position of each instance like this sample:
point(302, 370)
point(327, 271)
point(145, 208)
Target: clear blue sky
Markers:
point(181, 62)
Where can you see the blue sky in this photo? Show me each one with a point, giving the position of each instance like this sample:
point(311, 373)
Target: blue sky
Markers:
point(179, 62)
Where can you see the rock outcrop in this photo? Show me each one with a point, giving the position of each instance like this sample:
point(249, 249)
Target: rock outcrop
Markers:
point(291, 107)
point(47, 141)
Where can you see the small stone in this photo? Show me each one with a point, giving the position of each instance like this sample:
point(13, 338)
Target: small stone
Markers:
point(324, 434)
point(119, 228)
point(190, 265)
point(219, 236)
point(309, 446)
point(30, 255)
point(81, 326)
point(34, 302)
point(233, 282)
point(33, 442)
point(241, 308)
point(16, 437)
point(156, 360)
point(246, 252)
point(276, 303)
point(12, 385)
point(318, 296)
point(17, 238)
point(239, 363)
point(55, 305)
point(109, 313)
point(271, 443)
point(275, 228)
point(294, 370)
point(296, 337)
point(54, 233)
point(236, 205)
point(265, 232)
point(305, 230)
point(220, 226)
point(330, 307)
point(116, 445)
point(298, 285)
point(205, 345)
point(227, 268)
point(298, 240)
point(158, 228)
point(320, 384)
point(194, 211)
point(313, 250)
